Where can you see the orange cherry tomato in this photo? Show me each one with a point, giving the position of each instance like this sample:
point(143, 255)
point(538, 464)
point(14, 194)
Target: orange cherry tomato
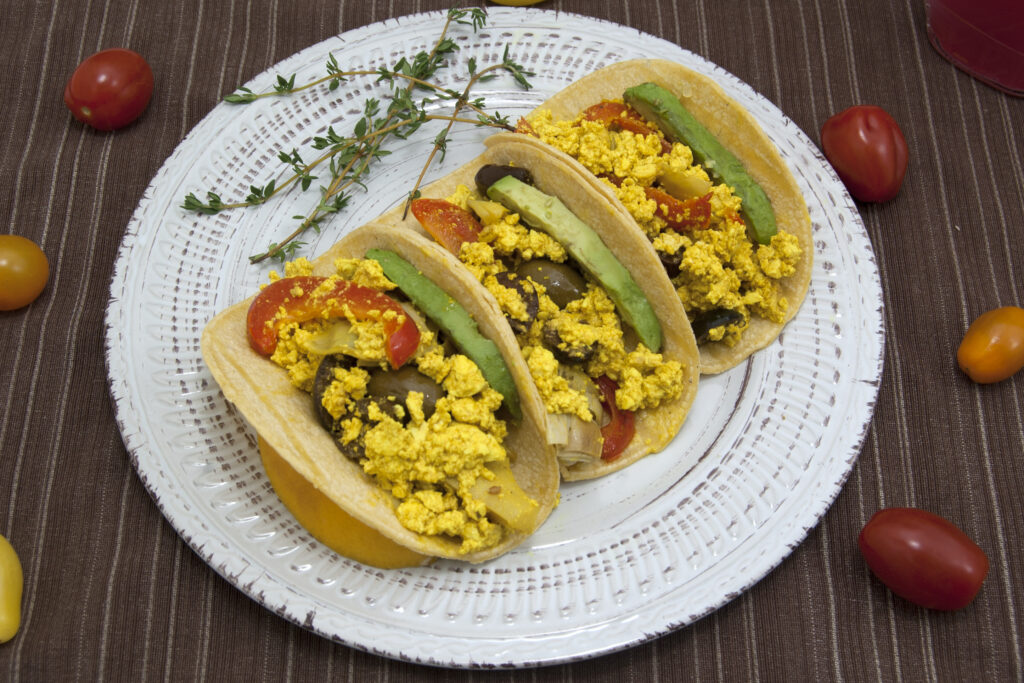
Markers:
point(447, 223)
point(993, 347)
point(24, 271)
point(295, 299)
point(620, 429)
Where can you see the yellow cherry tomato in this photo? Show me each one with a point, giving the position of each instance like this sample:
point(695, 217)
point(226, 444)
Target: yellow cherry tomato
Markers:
point(993, 347)
point(11, 582)
point(24, 271)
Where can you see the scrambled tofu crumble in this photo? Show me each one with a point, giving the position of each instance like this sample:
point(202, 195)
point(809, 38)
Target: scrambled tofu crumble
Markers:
point(718, 267)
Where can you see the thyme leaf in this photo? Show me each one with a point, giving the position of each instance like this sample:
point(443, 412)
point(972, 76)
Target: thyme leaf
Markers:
point(343, 161)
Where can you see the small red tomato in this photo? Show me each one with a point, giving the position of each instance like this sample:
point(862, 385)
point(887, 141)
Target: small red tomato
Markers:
point(993, 347)
point(110, 89)
point(923, 558)
point(867, 149)
point(24, 271)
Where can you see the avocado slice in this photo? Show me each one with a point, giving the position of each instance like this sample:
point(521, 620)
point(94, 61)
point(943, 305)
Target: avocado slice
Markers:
point(661, 107)
point(549, 214)
point(451, 317)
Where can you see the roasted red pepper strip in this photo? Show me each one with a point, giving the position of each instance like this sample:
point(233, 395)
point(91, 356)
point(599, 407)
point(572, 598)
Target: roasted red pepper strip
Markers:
point(523, 126)
point(620, 430)
point(449, 224)
point(293, 300)
point(688, 214)
point(622, 116)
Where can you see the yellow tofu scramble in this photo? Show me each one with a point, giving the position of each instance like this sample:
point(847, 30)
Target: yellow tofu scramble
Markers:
point(714, 268)
point(586, 332)
point(428, 456)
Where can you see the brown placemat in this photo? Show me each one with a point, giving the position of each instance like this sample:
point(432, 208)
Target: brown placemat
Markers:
point(111, 592)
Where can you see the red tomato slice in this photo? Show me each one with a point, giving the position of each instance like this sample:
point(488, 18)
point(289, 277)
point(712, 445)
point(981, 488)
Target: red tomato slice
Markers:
point(447, 223)
point(293, 300)
point(620, 430)
point(681, 215)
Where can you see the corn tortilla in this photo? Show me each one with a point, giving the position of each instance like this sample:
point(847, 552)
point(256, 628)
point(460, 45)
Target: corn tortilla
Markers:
point(655, 427)
point(740, 133)
point(284, 416)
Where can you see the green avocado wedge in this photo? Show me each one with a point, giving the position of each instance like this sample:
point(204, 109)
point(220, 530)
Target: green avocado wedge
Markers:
point(661, 107)
point(437, 305)
point(550, 215)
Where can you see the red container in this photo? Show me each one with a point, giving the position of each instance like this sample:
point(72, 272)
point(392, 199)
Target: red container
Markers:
point(985, 38)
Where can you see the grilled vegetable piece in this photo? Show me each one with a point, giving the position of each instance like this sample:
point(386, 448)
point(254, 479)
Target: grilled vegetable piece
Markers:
point(549, 214)
point(661, 107)
point(454, 320)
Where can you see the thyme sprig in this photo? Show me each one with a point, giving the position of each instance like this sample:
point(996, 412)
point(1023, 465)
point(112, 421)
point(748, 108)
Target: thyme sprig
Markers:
point(344, 160)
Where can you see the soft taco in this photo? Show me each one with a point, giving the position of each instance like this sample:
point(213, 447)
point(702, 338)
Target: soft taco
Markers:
point(604, 336)
point(693, 171)
point(381, 377)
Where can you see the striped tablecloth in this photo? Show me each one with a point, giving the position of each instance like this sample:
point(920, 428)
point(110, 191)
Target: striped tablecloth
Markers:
point(111, 591)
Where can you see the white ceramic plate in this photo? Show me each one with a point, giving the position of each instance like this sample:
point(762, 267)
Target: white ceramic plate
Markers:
point(625, 559)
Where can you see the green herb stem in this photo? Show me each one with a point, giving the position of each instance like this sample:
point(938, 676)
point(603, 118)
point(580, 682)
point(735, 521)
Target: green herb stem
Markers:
point(350, 157)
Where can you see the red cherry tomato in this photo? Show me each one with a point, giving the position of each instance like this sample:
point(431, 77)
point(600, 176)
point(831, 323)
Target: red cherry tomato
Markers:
point(923, 558)
point(867, 149)
point(24, 271)
point(295, 299)
point(110, 89)
point(993, 347)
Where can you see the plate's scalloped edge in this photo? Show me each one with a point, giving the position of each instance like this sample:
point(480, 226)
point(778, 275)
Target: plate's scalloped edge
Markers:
point(307, 612)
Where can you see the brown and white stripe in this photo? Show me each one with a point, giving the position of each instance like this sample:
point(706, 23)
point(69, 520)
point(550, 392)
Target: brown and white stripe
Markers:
point(112, 592)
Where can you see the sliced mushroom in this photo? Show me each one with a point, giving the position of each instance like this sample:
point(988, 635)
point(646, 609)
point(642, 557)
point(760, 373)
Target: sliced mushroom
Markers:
point(573, 354)
point(354, 449)
point(709, 320)
point(671, 262)
point(492, 173)
point(528, 296)
point(391, 387)
point(562, 282)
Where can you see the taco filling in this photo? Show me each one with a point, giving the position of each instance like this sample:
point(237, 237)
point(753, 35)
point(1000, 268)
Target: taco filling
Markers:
point(588, 334)
point(725, 267)
point(398, 398)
